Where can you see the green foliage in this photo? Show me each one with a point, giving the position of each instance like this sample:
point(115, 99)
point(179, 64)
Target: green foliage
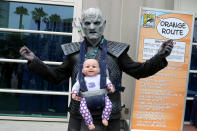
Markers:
point(38, 13)
point(55, 18)
point(20, 10)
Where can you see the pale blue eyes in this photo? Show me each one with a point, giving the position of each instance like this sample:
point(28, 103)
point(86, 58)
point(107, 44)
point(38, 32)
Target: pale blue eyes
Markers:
point(95, 23)
point(87, 23)
point(89, 66)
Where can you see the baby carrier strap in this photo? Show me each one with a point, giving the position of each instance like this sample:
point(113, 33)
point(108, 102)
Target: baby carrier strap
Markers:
point(98, 101)
point(102, 63)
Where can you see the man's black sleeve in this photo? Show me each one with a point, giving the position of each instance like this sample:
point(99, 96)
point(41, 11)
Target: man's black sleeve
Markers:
point(54, 75)
point(141, 70)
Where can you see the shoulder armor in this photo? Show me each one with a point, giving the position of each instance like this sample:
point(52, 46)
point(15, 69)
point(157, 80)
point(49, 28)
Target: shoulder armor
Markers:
point(116, 48)
point(70, 48)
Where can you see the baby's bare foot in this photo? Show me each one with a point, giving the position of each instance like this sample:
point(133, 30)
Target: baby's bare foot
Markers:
point(91, 127)
point(105, 122)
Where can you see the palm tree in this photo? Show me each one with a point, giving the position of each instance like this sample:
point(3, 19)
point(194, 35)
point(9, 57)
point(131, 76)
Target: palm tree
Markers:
point(20, 10)
point(1, 16)
point(46, 21)
point(37, 15)
point(55, 18)
point(1, 13)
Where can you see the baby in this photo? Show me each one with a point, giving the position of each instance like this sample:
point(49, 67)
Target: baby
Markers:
point(91, 71)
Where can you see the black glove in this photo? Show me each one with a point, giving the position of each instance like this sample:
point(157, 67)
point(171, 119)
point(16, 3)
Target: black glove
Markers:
point(166, 48)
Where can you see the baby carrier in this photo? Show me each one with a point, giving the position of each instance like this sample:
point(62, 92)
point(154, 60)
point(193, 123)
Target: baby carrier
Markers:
point(95, 99)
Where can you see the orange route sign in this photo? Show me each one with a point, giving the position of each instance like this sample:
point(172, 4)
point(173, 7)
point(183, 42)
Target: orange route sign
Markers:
point(159, 100)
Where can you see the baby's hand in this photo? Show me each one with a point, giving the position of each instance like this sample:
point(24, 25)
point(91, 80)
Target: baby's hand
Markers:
point(111, 88)
point(73, 96)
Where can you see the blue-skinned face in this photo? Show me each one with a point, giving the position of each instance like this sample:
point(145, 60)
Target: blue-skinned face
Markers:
point(93, 24)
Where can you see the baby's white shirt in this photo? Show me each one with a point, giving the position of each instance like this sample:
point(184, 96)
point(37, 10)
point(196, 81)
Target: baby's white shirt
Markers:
point(92, 83)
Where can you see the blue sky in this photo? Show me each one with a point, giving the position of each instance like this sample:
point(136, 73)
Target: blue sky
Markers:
point(63, 11)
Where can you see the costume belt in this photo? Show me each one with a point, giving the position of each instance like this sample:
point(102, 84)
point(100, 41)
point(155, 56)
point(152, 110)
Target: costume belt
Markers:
point(91, 93)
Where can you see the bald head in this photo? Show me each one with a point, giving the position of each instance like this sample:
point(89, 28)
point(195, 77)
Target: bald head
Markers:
point(91, 67)
point(92, 12)
point(93, 25)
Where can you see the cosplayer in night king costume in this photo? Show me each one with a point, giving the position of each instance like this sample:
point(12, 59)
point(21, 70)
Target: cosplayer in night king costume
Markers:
point(110, 55)
point(92, 78)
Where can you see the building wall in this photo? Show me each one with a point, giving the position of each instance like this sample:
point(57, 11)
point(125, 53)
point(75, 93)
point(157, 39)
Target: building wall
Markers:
point(185, 5)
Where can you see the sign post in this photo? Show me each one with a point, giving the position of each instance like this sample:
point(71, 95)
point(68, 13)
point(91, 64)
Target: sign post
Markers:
point(159, 100)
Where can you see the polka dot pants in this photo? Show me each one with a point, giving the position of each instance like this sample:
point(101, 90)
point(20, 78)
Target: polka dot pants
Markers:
point(86, 113)
point(107, 109)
